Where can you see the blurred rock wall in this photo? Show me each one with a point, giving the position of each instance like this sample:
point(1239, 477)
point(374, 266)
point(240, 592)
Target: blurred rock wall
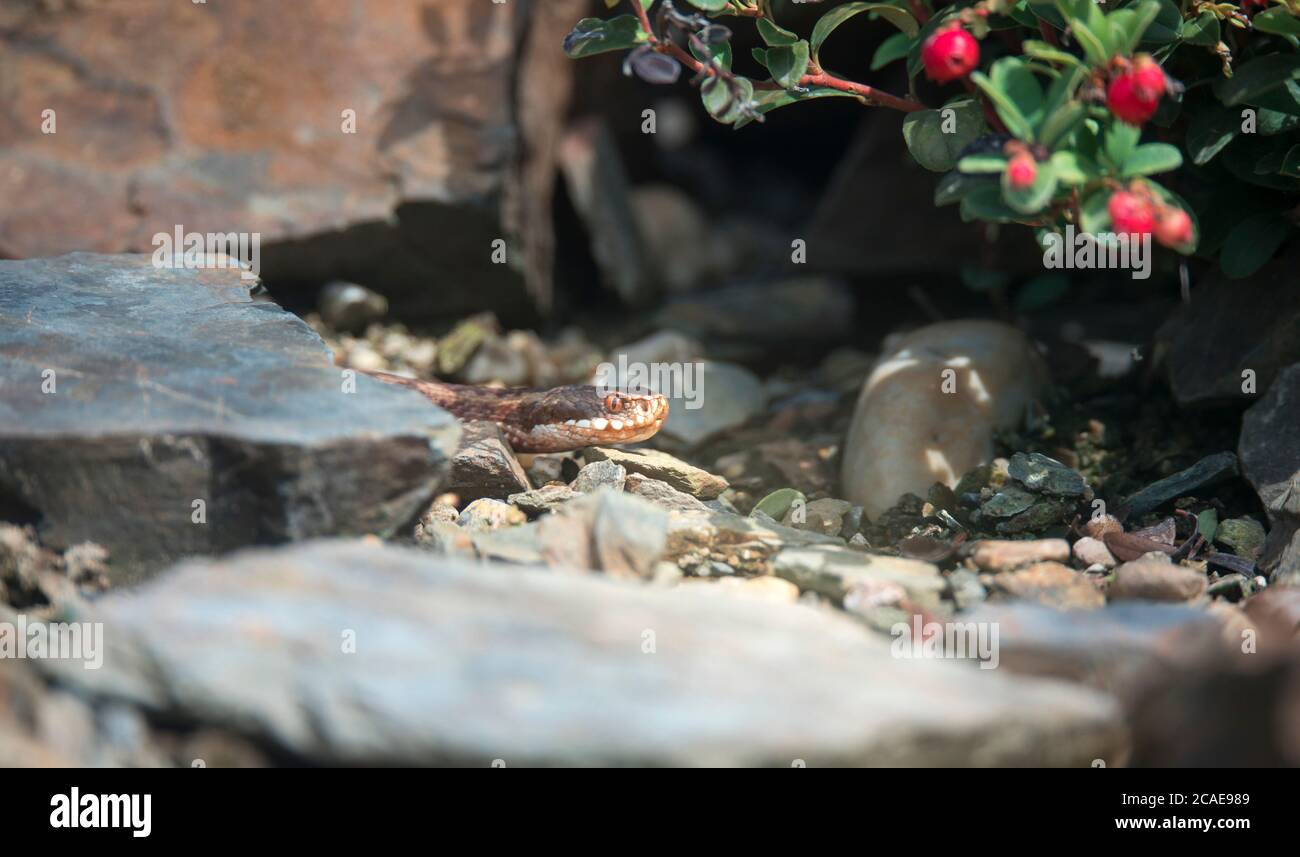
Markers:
point(374, 141)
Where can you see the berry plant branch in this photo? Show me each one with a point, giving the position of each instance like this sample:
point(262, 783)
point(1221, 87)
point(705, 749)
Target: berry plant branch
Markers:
point(1042, 124)
point(815, 77)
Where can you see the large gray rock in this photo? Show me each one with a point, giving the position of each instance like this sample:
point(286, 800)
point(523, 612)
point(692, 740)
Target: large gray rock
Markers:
point(165, 413)
point(484, 465)
point(1229, 327)
point(1270, 460)
point(343, 652)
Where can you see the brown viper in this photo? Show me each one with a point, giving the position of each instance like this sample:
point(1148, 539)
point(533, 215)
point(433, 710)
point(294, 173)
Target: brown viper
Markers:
point(548, 419)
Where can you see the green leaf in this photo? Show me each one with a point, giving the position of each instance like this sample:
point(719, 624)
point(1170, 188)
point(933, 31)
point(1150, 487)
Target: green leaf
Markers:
point(1085, 12)
point(1121, 140)
point(1291, 163)
point(832, 19)
point(1207, 522)
point(1166, 27)
point(1021, 14)
point(981, 164)
point(954, 187)
point(1063, 88)
point(1242, 158)
point(767, 100)
point(788, 63)
point(1034, 198)
point(1043, 12)
point(1208, 131)
point(718, 99)
point(1285, 99)
point(1270, 122)
point(1061, 123)
point(592, 36)
point(1040, 292)
point(1150, 159)
point(1095, 212)
point(1073, 169)
point(1093, 47)
point(1006, 109)
point(706, 5)
point(935, 138)
point(1257, 77)
point(1271, 162)
point(986, 203)
point(1128, 24)
point(1088, 140)
point(774, 35)
point(1047, 53)
point(1278, 21)
point(1203, 30)
point(893, 48)
point(717, 54)
point(759, 55)
point(1012, 76)
point(1252, 243)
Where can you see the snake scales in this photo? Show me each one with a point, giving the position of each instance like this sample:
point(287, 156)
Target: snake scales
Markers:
point(548, 419)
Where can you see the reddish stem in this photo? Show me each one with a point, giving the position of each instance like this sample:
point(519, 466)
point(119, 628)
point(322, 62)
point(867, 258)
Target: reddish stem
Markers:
point(1048, 34)
point(919, 12)
point(645, 20)
point(875, 96)
point(871, 94)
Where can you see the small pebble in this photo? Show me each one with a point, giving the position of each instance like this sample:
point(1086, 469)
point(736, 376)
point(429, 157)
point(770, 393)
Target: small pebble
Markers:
point(1093, 552)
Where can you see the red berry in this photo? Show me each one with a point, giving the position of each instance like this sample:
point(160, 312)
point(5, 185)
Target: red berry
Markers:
point(1135, 93)
point(1022, 171)
point(1131, 214)
point(949, 54)
point(1127, 100)
point(1148, 77)
point(1173, 227)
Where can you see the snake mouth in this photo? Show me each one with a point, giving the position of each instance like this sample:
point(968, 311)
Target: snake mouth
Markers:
point(636, 421)
point(612, 431)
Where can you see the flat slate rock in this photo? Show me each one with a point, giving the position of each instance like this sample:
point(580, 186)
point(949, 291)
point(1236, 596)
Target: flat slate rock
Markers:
point(128, 394)
point(484, 465)
point(348, 652)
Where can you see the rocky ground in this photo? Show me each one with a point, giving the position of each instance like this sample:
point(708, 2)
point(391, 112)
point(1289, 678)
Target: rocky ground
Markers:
point(728, 593)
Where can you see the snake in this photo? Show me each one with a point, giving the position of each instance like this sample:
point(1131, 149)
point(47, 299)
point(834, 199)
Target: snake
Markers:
point(548, 419)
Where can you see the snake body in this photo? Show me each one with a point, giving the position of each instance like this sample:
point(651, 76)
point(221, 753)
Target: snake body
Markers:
point(548, 419)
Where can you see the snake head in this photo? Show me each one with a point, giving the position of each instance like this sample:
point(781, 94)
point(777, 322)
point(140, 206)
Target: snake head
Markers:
point(578, 416)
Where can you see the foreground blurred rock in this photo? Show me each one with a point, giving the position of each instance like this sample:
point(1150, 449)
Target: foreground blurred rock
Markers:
point(376, 655)
point(346, 140)
point(164, 413)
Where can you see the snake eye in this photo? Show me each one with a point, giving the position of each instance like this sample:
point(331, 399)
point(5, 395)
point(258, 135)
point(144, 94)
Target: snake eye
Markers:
point(613, 403)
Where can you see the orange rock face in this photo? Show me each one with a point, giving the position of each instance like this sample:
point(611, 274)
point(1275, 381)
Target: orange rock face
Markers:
point(120, 120)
